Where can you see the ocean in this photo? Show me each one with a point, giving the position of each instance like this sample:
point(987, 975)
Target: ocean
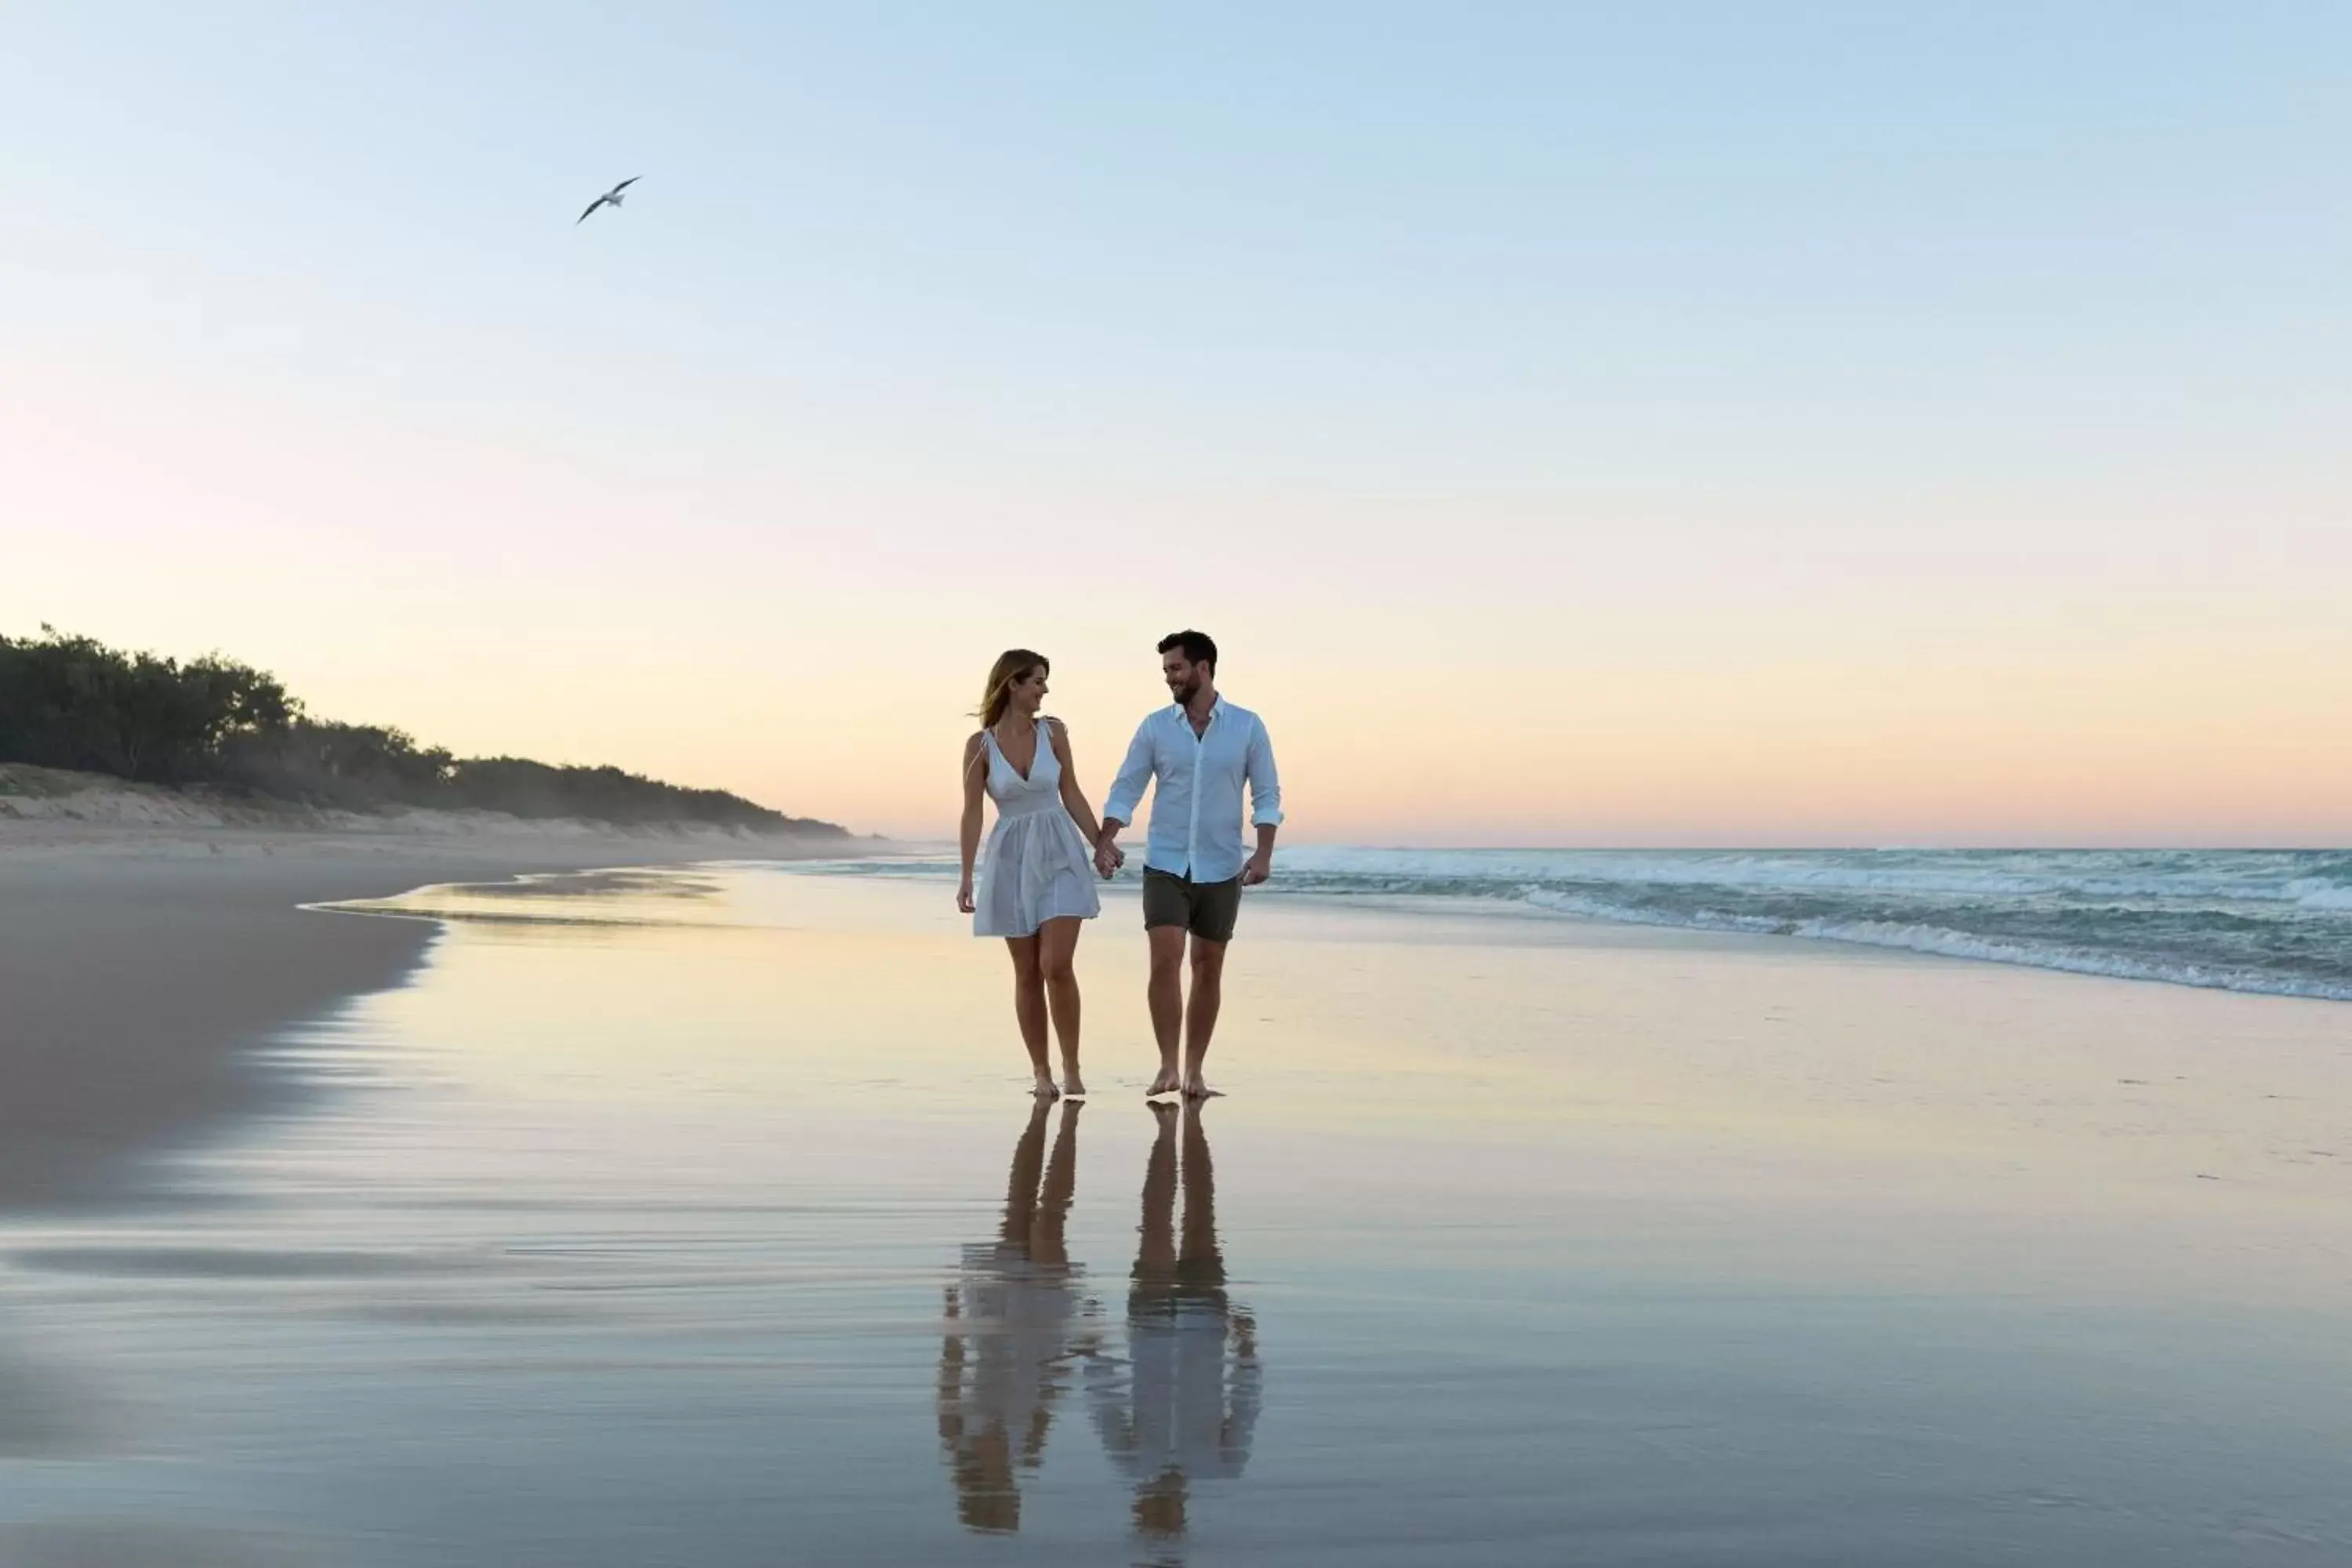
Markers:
point(2271, 922)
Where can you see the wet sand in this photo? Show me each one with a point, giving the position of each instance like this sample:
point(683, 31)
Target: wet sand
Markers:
point(704, 1220)
point(136, 962)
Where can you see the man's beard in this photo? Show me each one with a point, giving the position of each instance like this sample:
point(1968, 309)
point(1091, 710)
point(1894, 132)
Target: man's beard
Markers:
point(1186, 692)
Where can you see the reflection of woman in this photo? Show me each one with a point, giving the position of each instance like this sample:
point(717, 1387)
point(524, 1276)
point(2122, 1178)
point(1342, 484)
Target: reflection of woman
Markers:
point(1036, 882)
point(1003, 1360)
point(1186, 1407)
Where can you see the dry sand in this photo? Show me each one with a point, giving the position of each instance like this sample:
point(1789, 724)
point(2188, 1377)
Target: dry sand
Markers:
point(147, 938)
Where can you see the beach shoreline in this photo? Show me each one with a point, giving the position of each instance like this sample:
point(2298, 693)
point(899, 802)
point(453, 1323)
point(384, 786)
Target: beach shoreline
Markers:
point(646, 1178)
point(142, 962)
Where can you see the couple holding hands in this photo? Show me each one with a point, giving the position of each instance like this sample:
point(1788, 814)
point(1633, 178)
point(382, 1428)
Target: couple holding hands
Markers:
point(1031, 886)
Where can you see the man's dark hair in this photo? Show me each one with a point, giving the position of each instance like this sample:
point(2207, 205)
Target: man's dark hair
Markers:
point(1198, 647)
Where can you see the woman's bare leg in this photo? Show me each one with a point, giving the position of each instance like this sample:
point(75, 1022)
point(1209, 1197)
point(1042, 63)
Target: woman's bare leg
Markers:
point(1057, 949)
point(1029, 1008)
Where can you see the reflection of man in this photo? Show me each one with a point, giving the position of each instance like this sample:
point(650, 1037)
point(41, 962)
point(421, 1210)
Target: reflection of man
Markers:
point(1185, 1406)
point(1005, 1357)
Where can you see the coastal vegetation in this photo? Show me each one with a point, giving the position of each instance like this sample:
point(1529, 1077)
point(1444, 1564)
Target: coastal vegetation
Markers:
point(73, 703)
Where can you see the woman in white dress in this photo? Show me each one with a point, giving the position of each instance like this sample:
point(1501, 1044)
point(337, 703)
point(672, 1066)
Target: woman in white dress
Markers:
point(1037, 878)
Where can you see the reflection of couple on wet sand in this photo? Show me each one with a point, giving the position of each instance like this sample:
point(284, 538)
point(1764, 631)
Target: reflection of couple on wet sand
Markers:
point(1014, 1321)
point(1030, 884)
point(1176, 1408)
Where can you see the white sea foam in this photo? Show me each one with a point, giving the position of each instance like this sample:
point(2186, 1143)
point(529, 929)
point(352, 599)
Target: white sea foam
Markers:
point(2249, 876)
point(2275, 921)
point(1951, 944)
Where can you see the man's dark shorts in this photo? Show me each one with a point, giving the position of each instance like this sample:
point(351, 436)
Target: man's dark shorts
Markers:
point(1207, 910)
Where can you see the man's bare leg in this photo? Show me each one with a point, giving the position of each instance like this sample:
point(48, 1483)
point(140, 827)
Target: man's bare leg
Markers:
point(1057, 946)
point(1029, 1009)
point(1201, 1012)
point(1167, 996)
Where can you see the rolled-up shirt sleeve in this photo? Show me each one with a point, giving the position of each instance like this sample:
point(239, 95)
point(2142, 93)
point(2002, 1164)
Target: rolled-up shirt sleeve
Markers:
point(1265, 783)
point(1127, 789)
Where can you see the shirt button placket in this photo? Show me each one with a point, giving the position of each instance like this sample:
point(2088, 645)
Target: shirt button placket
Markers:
point(1192, 828)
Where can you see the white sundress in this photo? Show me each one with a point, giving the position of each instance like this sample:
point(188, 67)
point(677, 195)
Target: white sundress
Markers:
point(1036, 867)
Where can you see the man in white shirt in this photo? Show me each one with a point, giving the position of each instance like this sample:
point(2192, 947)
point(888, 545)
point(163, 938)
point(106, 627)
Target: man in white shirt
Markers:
point(1198, 755)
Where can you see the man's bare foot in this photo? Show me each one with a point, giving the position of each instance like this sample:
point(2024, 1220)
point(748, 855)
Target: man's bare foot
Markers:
point(1197, 1087)
point(1166, 1083)
point(1073, 1084)
point(1046, 1087)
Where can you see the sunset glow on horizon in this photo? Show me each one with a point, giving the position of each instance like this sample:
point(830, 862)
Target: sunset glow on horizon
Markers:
point(1609, 429)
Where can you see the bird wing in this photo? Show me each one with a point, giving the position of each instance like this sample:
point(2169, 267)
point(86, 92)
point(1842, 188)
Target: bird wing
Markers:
point(591, 207)
point(624, 184)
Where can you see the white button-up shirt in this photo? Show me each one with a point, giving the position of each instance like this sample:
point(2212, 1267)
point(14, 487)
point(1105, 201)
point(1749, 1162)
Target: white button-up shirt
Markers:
point(1196, 811)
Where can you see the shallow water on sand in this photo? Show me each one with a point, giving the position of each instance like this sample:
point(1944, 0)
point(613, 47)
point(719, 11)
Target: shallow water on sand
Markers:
point(701, 1219)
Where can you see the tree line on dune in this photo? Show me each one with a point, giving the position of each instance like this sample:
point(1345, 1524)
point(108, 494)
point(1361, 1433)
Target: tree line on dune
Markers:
point(73, 703)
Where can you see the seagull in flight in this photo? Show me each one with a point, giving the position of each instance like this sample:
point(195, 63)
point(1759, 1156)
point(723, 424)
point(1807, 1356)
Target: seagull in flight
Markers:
point(611, 197)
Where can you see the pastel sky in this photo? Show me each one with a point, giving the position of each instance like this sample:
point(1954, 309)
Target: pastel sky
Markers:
point(1580, 425)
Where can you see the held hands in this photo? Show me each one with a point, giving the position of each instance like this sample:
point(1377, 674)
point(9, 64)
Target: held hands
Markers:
point(1108, 858)
point(1259, 868)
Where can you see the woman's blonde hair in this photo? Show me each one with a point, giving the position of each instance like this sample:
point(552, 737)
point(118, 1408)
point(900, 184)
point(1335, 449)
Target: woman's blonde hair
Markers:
point(1011, 666)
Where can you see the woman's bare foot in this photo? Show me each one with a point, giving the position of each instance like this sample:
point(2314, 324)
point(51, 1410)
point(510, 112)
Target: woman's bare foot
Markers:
point(1046, 1087)
point(1197, 1087)
point(1166, 1083)
point(1073, 1084)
